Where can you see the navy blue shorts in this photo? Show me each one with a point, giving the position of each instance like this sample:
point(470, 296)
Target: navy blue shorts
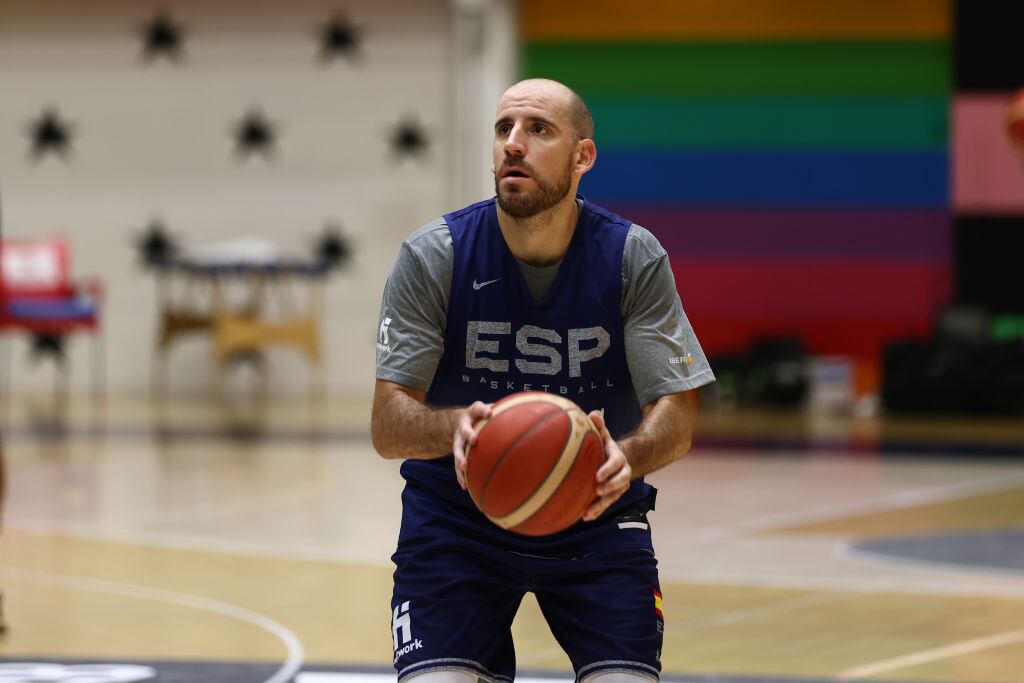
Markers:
point(459, 581)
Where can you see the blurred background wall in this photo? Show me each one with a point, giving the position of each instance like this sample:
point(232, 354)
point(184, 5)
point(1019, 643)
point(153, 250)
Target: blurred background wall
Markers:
point(791, 155)
point(836, 171)
point(155, 137)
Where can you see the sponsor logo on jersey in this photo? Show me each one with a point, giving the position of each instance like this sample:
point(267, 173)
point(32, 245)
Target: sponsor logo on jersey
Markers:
point(383, 338)
point(480, 285)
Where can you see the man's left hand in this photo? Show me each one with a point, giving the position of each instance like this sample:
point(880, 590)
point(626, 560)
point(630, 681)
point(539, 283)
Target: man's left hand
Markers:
point(615, 474)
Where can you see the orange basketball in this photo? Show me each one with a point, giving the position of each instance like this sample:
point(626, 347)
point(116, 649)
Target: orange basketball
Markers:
point(533, 467)
point(1015, 120)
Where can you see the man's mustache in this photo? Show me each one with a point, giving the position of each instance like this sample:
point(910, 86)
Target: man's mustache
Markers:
point(518, 165)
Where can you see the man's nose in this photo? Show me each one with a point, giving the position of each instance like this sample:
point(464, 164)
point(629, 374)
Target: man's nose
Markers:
point(514, 143)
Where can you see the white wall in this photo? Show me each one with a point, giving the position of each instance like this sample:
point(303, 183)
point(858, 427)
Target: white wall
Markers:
point(155, 139)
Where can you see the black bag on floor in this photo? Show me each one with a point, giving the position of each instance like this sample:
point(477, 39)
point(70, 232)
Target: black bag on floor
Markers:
point(952, 375)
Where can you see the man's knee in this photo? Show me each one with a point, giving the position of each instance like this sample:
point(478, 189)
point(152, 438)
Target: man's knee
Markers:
point(441, 677)
point(617, 677)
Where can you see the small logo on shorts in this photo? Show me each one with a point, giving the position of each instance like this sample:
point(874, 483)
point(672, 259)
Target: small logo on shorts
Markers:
point(401, 631)
point(660, 621)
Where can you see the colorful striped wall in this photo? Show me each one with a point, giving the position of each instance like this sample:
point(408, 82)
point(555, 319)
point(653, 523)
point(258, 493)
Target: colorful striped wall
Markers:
point(791, 155)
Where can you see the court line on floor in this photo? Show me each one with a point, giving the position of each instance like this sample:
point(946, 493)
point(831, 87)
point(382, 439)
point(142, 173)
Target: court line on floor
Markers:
point(935, 654)
point(900, 499)
point(717, 577)
point(772, 609)
point(962, 586)
point(169, 541)
point(738, 615)
point(288, 669)
point(236, 506)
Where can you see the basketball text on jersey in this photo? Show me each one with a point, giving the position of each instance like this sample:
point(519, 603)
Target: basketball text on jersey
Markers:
point(401, 631)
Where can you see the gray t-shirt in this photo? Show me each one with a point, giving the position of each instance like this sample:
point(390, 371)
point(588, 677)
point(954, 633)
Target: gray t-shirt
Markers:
point(662, 351)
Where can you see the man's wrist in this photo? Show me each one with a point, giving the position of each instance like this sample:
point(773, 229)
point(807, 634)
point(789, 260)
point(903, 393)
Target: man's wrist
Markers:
point(624, 446)
point(454, 416)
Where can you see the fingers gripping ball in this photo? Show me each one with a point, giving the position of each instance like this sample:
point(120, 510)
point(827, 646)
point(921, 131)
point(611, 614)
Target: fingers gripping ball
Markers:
point(1015, 120)
point(534, 465)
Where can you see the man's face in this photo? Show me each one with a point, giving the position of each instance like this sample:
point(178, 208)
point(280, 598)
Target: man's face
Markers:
point(534, 151)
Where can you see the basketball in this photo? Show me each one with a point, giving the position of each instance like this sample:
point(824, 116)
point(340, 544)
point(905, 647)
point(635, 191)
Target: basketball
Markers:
point(533, 467)
point(1015, 120)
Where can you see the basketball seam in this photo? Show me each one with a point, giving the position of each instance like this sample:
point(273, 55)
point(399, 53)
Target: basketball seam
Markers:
point(516, 517)
point(515, 402)
point(540, 484)
point(576, 463)
point(511, 447)
point(568, 475)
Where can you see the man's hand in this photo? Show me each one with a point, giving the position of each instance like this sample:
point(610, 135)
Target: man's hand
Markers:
point(465, 436)
point(615, 474)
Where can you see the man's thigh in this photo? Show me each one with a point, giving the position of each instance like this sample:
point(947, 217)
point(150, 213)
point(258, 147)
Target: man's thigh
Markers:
point(604, 607)
point(452, 608)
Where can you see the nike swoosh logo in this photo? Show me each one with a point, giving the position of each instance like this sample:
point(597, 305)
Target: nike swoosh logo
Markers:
point(481, 285)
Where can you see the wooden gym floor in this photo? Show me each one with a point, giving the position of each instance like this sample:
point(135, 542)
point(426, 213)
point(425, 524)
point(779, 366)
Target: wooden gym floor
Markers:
point(259, 536)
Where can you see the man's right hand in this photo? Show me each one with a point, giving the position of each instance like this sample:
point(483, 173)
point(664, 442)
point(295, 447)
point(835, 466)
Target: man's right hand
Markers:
point(465, 436)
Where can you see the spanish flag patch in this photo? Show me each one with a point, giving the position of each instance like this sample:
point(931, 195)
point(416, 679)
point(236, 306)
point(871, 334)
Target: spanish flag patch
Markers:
point(658, 605)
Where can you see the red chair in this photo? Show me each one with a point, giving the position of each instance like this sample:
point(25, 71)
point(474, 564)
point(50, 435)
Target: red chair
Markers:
point(38, 297)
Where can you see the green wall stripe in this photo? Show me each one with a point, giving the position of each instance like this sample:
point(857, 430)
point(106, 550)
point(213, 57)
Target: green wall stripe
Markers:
point(744, 123)
point(901, 68)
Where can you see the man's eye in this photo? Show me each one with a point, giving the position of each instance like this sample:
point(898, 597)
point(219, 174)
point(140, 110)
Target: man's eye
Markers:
point(540, 129)
point(503, 130)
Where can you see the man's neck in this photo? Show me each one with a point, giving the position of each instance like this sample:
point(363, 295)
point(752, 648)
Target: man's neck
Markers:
point(542, 239)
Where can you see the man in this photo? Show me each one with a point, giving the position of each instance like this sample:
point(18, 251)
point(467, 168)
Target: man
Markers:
point(536, 289)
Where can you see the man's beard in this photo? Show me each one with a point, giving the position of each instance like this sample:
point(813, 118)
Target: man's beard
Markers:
point(527, 204)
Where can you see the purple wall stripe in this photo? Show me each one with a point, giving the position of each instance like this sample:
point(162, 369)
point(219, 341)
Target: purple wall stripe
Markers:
point(923, 236)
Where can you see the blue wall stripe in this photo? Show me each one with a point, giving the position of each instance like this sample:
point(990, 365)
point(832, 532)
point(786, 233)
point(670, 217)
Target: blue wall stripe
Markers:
point(825, 179)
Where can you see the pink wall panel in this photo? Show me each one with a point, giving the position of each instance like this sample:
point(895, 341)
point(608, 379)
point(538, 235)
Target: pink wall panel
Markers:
point(988, 175)
point(846, 308)
point(796, 288)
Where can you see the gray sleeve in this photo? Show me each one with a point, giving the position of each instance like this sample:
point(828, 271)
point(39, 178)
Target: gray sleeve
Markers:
point(414, 309)
point(662, 350)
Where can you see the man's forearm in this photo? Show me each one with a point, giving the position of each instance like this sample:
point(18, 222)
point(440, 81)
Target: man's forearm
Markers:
point(403, 427)
point(662, 437)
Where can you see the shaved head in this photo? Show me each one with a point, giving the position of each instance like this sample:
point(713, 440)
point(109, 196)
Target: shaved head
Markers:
point(573, 106)
point(543, 144)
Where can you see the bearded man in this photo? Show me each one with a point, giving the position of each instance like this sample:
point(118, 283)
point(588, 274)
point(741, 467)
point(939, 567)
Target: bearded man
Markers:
point(534, 289)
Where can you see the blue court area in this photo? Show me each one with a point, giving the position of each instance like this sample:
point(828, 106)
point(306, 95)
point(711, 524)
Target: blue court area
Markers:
point(1001, 549)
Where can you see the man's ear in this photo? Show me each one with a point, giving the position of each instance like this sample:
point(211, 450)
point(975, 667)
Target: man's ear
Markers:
point(586, 155)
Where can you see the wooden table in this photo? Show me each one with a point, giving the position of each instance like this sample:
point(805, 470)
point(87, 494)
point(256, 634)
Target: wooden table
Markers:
point(243, 307)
